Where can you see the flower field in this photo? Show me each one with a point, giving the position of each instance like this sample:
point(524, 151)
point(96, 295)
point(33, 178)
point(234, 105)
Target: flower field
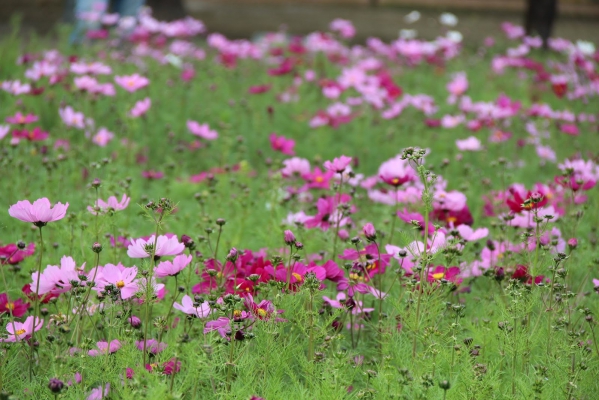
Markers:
point(187, 216)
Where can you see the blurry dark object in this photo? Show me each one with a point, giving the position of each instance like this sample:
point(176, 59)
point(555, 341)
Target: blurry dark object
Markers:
point(540, 15)
point(167, 10)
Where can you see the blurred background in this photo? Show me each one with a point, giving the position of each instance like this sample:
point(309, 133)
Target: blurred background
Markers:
point(576, 19)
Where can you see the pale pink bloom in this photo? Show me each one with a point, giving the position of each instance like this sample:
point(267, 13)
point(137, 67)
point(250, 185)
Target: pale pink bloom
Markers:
point(141, 107)
point(22, 330)
point(38, 213)
point(172, 268)
point(21, 119)
point(338, 165)
point(451, 201)
point(96, 393)
point(112, 204)
point(16, 87)
point(123, 280)
point(295, 166)
point(596, 282)
point(103, 137)
point(467, 233)
point(344, 27)
point(201, 130)
point(72, 118)
point(512, 31)
point(151, 345)
point(451, 121)
point(396, 172)
point(546, 153)
point(186, 306)
point(339, 302)
point(298, 217)
point(56, 279)
point(470, 144)
point(457, 86)
point(94, 68)
point(131, 83)
point(525, 220)
point(105, 347)
point(165, 246)
point(4, 129)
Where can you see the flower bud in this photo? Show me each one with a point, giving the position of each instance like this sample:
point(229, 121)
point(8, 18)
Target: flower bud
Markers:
point(55, 385)
point(97, 247)
point(369, 232)
point(220, 222)
point(289, 238)
point(96, 183)
point(135, 321)
point(21, 245)
point(233, 254)
point(572, 243)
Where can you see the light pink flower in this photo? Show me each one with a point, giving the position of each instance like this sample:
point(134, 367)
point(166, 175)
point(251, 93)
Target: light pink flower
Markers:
point(202, 130)
point(22, 330)
point(72, 118)
point(470, 144)
point(295, 166)
point(105, 347)
point(96, 393)
point(338, 164)
point(4, 129)
point(131, 83)
point(344, 27)
point(396, 172)
point(457, 86)
point(112, 204)
point(103, 137)
point(56, 279)
point(140, 108)
point(21, 119)
point(168, 268)
point(123, 280)
point(186, 306)
point(165, 246)
point(467, 233)
point(546, 153)
point(38, 213)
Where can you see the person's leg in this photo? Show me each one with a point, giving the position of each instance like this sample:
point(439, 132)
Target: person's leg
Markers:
point(87, 14)
point(128, 8)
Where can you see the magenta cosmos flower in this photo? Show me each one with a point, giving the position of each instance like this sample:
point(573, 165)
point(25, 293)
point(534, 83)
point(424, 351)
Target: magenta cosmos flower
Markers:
point(165, 246)
point(151, 345)
point(338, 164)
point(105, 347)
point(187, 307)
point(123, 280)
point(131, 83)
point(39, 213)
point(21, 119)
point(222, 325)
point(202, 130)
point(282, 144)
point(172, 268)
point(22, 330)
point(396, 172)
point(112, 204)
point(15, 308)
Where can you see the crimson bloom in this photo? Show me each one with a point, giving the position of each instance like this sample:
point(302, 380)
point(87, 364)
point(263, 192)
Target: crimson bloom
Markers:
point(39, 213)
point(15, 308)
point(282, 144)
point(12, 254)
point(518, 204)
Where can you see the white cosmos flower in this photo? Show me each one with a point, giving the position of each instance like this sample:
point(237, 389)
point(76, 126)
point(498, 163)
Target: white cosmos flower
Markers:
point(448, 19)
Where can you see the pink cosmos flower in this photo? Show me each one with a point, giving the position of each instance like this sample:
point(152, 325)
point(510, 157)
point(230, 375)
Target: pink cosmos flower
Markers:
point(222, 325)
point(282, 144)
point(22, 330)
point(338, 165)
point(341, 302)
point(140, 108)
point(151, 345)
point(471, 235)
point(328, 215)
point(103, 137)
point(440, 272)
point(168, 268)
point(295, 167)
point(165, 246)
point(344, 27)
point(21, 119)
point(112, 204)
point(470, 144)
point(4, 129)
point(72, 118)
point(414, 216)
point(546, 153)
point(105, 347)
point(318, 179)
point(96, 393)
point(56, 279)
point(152, 174)
point(34, 135)
point(187, 307)
point(569, 129)
point(457, 87)
point(396, 172)
point(123, 280)
point(39, 213)
point(131, 83)
point(202, 130)
point(258, 89)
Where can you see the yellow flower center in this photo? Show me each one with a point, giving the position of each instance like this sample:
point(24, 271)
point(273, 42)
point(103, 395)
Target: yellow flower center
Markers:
point(451, 219)
point(438, 275)
point(261, 312)
point(319, 179)
point(237, 313)
point(395, 181)
point(20, 331)
point(297, 276)
point(10, 306)
point(120, 284)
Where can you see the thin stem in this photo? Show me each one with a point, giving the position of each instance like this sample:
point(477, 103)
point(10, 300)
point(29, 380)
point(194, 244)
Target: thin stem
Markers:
point(37, 303)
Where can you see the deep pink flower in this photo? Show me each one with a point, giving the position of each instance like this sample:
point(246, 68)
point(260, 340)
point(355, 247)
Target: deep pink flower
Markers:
point(21, 119)
point(413, 216)
point(39, 213)
point(282, 144)
point(328, 215)
point(318, 179)
point(105, 347)
point(22, 330)
point(152, 174)
point(258, 89)
point(289, 237)
point(222, 325)
point(338, 165)
point(569, 129)
point(202, 130)
point(369, 231)
point(449, 274)
point(165, 246)
point(15, 308)
point(187, 307)
point(11, 254)
point(168, 368)
point(172, 268)
point(34, 135)
point(131, 83)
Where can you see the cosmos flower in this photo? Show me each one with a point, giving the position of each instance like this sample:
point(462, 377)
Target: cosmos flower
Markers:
point(39, 213)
